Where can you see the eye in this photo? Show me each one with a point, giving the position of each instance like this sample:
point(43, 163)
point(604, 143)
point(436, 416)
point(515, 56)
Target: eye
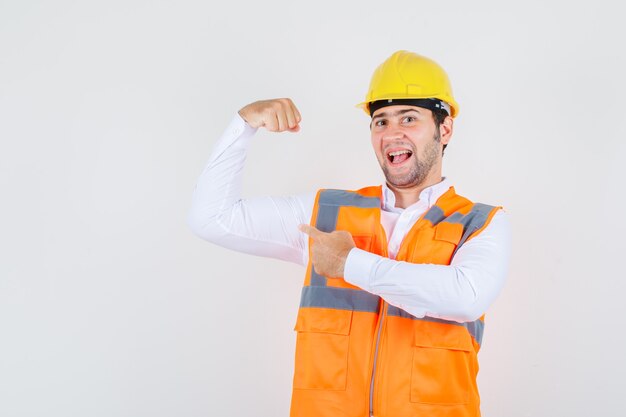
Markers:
point(380, 122)
point(408, 119)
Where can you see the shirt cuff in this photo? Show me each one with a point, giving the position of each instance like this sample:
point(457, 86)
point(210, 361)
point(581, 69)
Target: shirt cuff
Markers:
point(238, 133)
point(241, 127)
point(359, 268)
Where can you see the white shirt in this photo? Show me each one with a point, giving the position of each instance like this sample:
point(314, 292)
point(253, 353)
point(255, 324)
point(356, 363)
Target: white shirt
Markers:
point(268, 226)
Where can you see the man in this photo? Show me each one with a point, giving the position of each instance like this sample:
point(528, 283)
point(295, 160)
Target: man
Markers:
point(398, 275)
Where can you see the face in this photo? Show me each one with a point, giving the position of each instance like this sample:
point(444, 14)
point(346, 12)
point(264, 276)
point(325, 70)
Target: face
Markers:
point(408, 144)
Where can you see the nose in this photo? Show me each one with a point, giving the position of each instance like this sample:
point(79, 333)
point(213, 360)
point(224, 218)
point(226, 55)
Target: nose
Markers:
point(393, 132)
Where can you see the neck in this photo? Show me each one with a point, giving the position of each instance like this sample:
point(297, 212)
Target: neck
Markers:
point(407, 196)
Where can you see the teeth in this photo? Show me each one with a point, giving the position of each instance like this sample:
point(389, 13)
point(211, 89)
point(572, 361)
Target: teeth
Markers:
point(396, 153)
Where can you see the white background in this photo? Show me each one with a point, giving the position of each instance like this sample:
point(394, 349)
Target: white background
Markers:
point(109, 306)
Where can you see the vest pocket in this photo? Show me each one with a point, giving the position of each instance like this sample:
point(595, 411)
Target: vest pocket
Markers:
point(322, 348)
point(437, 245)
point(442, 364)
point(449, 232)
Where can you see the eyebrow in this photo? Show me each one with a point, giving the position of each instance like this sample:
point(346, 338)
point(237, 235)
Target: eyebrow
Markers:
point(396, 113)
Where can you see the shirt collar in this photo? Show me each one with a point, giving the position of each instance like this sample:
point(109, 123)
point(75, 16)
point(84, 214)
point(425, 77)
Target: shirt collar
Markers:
point(428, 196)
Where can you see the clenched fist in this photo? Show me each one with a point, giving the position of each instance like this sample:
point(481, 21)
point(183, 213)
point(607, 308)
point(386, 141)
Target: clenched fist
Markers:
point(329, 251)
point(276, 115)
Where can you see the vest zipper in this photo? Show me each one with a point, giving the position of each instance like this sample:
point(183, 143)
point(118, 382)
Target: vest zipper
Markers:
point(381, 321)
point(378, 336)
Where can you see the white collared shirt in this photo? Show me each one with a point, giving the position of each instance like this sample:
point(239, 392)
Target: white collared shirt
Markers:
point(268, 226)
point(398, 221)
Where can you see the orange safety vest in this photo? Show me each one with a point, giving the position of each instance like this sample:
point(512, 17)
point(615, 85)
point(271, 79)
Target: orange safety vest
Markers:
point(358, 356)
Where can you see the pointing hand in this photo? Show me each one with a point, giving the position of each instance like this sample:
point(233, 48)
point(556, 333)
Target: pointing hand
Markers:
point(329, 251)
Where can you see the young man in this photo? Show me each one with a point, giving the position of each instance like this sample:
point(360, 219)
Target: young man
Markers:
point(398, 275)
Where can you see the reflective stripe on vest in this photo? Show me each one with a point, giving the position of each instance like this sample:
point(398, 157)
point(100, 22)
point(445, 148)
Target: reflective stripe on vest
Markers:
point(357, 300)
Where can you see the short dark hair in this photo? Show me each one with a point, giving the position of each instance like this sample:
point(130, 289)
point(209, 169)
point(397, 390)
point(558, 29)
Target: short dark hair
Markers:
point(439, 115)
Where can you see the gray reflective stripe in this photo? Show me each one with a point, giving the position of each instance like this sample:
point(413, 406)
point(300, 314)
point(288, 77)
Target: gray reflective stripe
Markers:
point(348, 198)
point(472, 221)
point(339, 299)
point(476, 217)
point(435, 215)
point(475, 328)
point(327, 217)
point(317, 279)
point(329, 202)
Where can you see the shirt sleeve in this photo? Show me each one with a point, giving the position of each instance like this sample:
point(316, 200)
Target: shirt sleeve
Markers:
point(266, 226)
point(461, 291)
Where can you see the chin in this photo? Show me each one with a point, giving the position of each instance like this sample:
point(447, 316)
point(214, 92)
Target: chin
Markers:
point(399, 183)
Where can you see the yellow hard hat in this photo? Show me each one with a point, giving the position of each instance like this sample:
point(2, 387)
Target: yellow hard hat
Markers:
point(406, 75)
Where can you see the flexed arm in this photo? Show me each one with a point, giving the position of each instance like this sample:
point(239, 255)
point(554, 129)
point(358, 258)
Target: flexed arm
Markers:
point(264, 226)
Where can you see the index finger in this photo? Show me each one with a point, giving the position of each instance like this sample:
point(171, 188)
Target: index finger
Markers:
point(311, 231)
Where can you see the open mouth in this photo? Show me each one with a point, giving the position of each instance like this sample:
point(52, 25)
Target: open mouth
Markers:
point(398, 157)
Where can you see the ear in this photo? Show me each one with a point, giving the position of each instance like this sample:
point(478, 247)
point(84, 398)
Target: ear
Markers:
point(446, 129)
